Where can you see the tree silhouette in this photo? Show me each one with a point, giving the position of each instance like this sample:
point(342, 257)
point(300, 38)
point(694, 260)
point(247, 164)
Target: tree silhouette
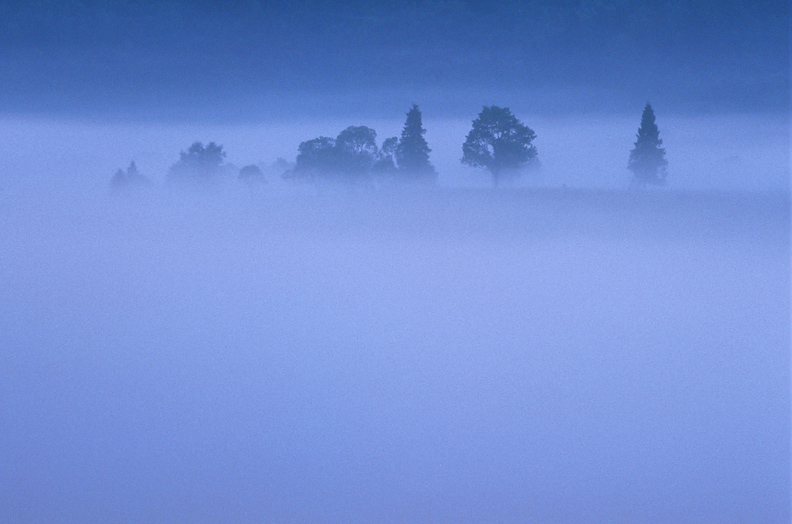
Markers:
point(317, 156)
point(385, 164)
point(123, 181)
point(357, 149)
point(251, 174)
point(412, 151)
point(647, 160)
point(351, 155)
point(198, 163)
point(498, 142)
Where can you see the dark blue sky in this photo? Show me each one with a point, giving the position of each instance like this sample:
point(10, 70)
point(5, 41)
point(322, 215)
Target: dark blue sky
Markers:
point(252, 60)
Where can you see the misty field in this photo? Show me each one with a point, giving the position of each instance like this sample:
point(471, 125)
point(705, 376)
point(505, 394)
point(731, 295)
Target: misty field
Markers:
point(358, 356)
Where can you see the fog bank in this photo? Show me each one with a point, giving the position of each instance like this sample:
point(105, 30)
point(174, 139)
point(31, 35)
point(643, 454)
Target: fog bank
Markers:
point(394, 356)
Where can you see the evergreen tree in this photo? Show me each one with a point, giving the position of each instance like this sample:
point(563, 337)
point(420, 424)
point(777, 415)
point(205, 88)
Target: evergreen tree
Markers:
point(412, 151)
point(647, 160)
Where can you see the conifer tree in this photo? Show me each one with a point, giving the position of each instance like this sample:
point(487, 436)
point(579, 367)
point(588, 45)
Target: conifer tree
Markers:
point(647, 160)
point(412, 151)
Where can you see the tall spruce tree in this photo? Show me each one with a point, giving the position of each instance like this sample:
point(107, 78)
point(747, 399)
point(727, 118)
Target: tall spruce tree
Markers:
point(647, 159)
point(412, 151)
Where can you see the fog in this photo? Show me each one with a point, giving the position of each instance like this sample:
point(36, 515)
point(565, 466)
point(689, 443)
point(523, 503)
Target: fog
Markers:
point(748, 151)
point(571, 346)
point(303, 354)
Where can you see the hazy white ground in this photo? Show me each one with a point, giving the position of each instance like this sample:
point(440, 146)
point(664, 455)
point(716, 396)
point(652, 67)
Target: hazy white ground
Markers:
point(450, 355)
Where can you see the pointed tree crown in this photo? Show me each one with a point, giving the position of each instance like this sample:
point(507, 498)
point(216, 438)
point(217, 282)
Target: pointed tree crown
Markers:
point(412, 151)
point(647, 160)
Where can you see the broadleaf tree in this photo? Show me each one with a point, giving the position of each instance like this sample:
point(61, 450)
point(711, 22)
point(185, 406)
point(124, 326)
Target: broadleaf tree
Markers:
point(198, 163)
point(350, 156)
point(499, 142)
point(317, 154)
point(385, 164)
point(357, 149)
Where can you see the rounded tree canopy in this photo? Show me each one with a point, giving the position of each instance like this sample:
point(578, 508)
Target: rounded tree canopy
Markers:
point(199, 162)
point(498, 142)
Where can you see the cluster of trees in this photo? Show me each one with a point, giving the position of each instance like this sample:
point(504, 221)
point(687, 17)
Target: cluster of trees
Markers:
point(354, 155)
point(502, 144)
point(497, 141)
point(197, 165)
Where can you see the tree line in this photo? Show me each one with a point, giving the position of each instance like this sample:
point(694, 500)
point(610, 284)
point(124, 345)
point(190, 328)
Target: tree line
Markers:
point(497, 142)
point(354, 155)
